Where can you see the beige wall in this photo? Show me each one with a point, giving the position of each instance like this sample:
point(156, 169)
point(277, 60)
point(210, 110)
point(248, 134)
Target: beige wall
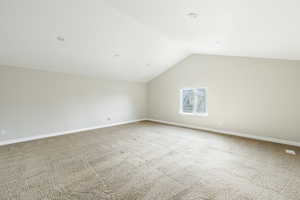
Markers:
point(253, 96)
point(35, 102)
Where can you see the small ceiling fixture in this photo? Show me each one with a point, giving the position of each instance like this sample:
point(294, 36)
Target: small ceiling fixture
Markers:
point(60, 38)
point(192, 15)
point(116, 55)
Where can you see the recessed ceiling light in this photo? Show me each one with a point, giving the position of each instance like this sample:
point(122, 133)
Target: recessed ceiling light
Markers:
point(192, 15)
point(60, 38)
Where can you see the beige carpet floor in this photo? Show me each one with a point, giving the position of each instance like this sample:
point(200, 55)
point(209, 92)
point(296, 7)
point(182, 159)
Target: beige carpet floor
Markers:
point(148, 161)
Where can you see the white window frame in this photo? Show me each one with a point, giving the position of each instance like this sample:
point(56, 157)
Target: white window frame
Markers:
point(194, 108)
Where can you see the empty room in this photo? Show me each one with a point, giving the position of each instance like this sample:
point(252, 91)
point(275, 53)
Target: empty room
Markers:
point(149, 100)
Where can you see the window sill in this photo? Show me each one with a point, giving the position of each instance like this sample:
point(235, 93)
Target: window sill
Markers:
point(195, 114)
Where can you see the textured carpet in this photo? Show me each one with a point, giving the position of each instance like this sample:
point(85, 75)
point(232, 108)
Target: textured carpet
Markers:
point(148, 161)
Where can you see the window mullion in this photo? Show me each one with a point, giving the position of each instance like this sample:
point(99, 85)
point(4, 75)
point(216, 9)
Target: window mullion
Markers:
point(195, 103)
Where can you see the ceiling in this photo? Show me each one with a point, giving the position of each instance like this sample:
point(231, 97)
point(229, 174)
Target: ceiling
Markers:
point(136, 40)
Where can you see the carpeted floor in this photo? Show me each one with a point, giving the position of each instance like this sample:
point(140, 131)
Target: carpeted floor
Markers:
point(148, 161)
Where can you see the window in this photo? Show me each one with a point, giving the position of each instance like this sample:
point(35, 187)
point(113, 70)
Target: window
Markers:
point(193, 101)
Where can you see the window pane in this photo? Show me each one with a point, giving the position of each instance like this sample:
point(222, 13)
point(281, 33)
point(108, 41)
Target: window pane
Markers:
point(201, 100)
point(187, 101)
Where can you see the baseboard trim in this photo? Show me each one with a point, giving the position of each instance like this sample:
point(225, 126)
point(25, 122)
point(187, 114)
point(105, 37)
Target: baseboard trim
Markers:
point(37, 137)
point(268, 139)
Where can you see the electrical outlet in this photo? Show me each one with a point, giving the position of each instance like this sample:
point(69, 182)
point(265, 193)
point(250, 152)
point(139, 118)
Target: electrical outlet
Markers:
point(108, 119)
point(289, 151)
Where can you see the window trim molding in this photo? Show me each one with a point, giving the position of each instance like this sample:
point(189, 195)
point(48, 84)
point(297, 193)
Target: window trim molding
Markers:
point(193, 113)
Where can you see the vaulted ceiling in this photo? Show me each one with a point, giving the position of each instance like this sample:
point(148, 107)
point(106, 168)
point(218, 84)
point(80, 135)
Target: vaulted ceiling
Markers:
point(138, 39)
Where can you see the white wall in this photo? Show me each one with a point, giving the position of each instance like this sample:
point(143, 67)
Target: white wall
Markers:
point(36, 102)
point(253, 96)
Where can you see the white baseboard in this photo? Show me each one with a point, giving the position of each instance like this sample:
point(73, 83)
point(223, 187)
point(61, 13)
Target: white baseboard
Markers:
point(268, 139)
point(17, 140)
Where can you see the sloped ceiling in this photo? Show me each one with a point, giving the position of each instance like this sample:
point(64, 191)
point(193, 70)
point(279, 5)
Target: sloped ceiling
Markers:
point(138, 39)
